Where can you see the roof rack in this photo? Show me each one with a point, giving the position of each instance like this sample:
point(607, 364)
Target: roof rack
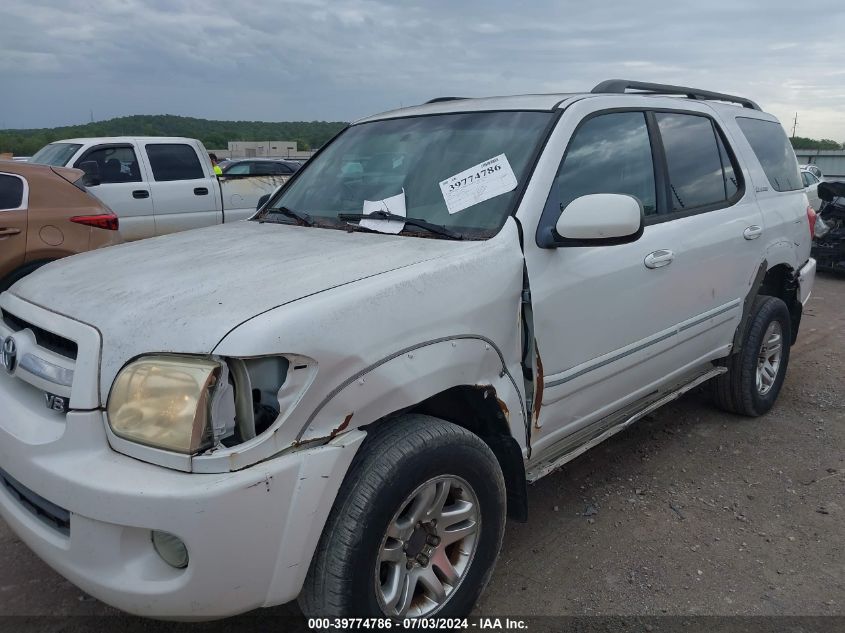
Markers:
point(620, 86)
point(440, 99)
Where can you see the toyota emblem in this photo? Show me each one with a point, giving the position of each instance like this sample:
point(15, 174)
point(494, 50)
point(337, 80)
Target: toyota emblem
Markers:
point(9, 354)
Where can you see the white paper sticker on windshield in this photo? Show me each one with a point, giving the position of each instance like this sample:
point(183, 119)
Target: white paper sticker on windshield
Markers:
point(484, 181)
point(394, 205)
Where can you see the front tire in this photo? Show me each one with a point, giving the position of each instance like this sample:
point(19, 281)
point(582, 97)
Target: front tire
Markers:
point(416, 527)
point(756, 373)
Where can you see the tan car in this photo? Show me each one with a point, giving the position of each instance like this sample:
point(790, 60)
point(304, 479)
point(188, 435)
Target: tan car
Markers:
point(46, 214)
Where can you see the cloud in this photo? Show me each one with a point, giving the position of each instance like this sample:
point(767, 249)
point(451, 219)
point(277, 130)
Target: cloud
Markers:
point(342, 59)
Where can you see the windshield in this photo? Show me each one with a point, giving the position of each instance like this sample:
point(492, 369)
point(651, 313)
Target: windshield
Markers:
point(55, 154)
point(462, 171)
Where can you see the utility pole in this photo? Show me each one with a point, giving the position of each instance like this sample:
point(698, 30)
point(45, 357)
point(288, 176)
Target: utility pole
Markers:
point(794, 126)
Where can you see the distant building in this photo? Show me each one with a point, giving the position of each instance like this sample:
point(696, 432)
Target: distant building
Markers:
point(253, 149)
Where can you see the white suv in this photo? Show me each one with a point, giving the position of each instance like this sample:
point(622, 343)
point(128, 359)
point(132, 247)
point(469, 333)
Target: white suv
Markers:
point(342, 399)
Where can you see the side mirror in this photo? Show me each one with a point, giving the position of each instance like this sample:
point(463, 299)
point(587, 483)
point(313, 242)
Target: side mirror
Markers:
point(262, 201)
point(92, 173)
point(600, 219)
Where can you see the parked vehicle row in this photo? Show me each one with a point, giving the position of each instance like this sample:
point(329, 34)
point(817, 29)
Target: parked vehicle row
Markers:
point(343, 398)
point(813, 169)
point(46, 214)
point(159, 185)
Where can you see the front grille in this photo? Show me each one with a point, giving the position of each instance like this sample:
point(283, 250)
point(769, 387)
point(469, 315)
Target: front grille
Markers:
point(49, 341)
point(49, 513)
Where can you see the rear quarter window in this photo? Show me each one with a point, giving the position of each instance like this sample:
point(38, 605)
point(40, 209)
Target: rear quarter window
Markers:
point(772, 148)
point(11, 192)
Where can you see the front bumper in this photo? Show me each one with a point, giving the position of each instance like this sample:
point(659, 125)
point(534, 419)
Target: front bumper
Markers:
point(250, 534)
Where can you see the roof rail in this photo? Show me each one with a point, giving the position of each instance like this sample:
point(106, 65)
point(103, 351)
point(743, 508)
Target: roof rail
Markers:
point(620, 86)
point(440, 99)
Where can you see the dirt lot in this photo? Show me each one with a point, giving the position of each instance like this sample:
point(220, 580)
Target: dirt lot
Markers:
point(690, 512)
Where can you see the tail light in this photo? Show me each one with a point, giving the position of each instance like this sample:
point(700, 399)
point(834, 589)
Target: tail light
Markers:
point(811, 218)
point(107, 221)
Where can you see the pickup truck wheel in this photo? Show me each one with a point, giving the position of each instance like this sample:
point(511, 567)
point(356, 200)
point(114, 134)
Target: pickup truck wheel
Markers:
point(416, 527)
point(756, 373)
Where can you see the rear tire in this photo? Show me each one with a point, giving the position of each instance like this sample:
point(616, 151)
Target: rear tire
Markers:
point(755, 374)
point(387, 550)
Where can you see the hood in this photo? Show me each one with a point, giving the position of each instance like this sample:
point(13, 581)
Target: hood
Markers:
point(184, 292)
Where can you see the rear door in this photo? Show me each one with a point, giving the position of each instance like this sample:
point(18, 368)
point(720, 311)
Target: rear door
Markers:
point(123, 187)
point(185, 195)
point(780, 191)
point(14, 194)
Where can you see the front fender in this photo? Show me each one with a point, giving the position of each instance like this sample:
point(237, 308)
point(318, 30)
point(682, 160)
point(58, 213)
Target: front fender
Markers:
point(411, 375)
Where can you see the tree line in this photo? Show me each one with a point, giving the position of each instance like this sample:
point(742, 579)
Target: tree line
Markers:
point(802, 142)
point(217, 134)
point(213, 134)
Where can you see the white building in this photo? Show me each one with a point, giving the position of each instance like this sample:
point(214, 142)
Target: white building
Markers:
point(251, 149)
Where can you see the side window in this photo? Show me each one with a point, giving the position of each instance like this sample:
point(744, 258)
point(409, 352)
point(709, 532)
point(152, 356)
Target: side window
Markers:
point(730, 172)
point(11, 192)
point(772, 148)
point(805, 177)
point(812, 178)
point(609, 153)
point(116, 164)
point(238, 169)
point(269, 169)
point(174, 161)
point(265, 169)
point(694, 159)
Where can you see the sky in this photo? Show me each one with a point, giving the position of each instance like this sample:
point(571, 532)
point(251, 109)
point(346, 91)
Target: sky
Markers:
point(338, 60)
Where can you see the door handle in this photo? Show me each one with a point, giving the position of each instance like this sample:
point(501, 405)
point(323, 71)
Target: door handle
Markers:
point(5, 231)
point(659, 259)
point(200, 191)
point(140, 193)
point(752, 232)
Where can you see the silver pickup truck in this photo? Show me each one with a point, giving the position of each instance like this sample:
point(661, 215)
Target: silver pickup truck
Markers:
point(158, 185)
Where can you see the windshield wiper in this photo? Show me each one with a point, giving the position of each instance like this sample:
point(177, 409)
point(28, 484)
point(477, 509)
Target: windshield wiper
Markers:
point(384, 215)
point(303, 218)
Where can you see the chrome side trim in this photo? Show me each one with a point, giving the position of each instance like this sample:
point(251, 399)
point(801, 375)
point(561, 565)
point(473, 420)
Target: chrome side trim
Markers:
point(612, 357)
point(46, 371)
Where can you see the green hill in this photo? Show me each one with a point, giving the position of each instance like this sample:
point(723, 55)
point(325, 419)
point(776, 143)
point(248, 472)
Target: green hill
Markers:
point(213, 134)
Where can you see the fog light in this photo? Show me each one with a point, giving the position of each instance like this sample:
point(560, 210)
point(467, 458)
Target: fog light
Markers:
point(171, 549)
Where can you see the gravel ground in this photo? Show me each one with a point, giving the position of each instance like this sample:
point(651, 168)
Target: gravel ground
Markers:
point(690, 512)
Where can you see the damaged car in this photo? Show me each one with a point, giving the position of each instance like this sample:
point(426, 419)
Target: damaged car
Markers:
point(342, 399)
point(829, 245)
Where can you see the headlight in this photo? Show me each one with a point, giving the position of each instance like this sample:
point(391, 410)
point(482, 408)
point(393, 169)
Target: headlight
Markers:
point(166, 402)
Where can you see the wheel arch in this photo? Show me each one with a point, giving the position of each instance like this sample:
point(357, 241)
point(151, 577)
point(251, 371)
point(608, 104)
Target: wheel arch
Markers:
point(463, 380)
point(774, 279)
